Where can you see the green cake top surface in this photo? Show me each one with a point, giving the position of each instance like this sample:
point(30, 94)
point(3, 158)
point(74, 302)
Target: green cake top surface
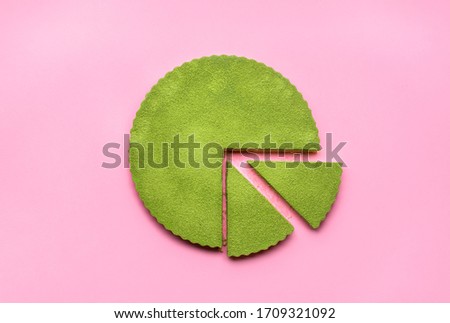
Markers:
point(224, 101)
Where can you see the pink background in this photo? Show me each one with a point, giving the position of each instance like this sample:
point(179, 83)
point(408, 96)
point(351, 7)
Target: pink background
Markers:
point(73, 74)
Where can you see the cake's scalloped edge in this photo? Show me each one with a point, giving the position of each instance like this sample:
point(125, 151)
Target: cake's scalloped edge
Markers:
point(262, 250)
point(175, 233)
point(168, 74)
point(331, 205)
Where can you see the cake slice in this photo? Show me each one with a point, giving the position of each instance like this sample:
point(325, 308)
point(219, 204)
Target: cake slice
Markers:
point(253, 224)
point(310, 188)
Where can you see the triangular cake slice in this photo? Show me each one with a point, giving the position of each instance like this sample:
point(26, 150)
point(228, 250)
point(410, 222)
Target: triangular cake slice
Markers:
point(253, 224)
point(310, 188)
